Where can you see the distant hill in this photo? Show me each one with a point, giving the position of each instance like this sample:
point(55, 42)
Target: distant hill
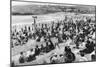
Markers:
point(45, 9)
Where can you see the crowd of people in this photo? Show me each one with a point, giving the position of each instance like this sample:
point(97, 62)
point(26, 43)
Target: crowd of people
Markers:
point(81, 32)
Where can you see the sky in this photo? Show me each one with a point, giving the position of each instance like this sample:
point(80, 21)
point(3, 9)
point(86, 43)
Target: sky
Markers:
point(15, 3)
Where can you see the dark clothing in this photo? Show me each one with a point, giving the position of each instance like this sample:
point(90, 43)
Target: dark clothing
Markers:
point(70, 57)
point(37, 51)
point(31, 58)
point(67, 49)
point(21, 60)
point(89, 48)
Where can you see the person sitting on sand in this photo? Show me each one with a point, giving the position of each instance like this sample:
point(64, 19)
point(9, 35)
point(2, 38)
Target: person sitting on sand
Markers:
point(22, 58)
point(31, 56)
